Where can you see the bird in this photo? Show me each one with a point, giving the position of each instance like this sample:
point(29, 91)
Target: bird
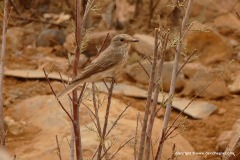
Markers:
point(107, 64)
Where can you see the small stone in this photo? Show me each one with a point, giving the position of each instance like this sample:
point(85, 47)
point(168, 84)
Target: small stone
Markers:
point(221, 111)
point(210, 45)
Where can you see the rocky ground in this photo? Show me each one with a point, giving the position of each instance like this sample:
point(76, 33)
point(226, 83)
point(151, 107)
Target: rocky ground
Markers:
point(33, 117)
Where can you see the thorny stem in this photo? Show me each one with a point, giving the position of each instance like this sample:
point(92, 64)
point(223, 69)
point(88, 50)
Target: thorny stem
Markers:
point(173, 82)
point(149, 98)
point(3, 51)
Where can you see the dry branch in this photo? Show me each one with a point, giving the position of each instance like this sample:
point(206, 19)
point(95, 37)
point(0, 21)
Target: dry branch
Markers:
point(173, 80)
point(3, 51)
point(149, 98)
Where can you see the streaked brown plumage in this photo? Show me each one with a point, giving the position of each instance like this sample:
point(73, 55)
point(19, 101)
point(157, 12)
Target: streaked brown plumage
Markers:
point(105, 65)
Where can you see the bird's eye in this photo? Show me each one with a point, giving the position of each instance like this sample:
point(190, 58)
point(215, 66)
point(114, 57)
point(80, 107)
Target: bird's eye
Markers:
point(121, 39)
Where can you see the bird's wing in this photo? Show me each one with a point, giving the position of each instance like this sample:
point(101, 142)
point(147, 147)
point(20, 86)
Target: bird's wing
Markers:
point(101, 63)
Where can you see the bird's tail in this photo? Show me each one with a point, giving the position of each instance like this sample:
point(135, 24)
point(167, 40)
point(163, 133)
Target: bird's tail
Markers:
point(68, 89)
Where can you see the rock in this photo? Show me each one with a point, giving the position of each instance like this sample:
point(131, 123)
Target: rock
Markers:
point(47, 119)
point(200, 80)
point(13, 127)
point(228, 24)
point(190, 69)
point(210, 46)
point(136, 72)
point(95, 39)
point(50, 38)
point(223, 140)
point(197, 109)
point(145, 44)
point(235, 86)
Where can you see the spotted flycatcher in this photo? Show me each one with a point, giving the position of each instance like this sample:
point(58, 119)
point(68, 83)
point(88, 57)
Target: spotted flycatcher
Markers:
point(105, 65)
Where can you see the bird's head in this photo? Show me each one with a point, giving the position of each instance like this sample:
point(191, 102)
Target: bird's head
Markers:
point(122, 40)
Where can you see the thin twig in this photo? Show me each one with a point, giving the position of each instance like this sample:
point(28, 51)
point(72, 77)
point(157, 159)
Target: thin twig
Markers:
point(105, 152)
point(119, 148)
point(58, 148)
point(81, 94)
point(187, 60)
point(135, 138)
point(100, 50)
point(118, 118)
point(49, 83)
point(144, 69)
point(96, 110)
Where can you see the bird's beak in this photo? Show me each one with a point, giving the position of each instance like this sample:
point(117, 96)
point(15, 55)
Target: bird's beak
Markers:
point(130, 39)
point(135, 40)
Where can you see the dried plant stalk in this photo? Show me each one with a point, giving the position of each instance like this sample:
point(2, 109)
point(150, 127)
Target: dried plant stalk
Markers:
point(173, 81)
point(149, 99)
point(4, 32)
